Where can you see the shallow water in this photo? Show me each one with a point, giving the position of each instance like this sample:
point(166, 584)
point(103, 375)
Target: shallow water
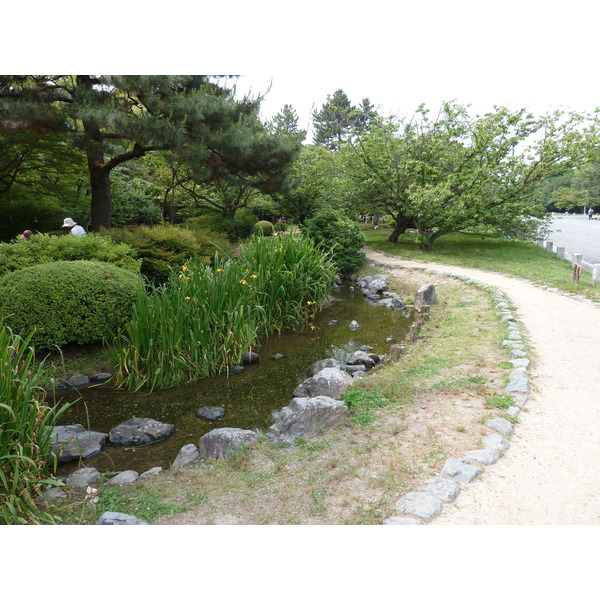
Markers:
point(249, 398)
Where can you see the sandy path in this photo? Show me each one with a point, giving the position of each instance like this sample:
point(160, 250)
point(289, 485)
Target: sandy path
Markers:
point(550, 475)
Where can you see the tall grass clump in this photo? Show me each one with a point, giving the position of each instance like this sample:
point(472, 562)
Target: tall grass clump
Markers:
point(204, 318)
point(197, 324)
point(291, 276)
point(25, 433)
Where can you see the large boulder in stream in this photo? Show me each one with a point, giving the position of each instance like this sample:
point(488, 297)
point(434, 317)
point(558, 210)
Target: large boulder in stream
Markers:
point(74, 442)
point(138, 431)
point(330, 382)
point(305, 417)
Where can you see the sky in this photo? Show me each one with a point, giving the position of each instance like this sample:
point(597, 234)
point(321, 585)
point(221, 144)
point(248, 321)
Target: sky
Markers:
point(399, 54)
point(526, 53)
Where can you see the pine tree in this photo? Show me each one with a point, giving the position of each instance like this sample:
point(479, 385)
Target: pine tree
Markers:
point(114, 119)
point(339, 121)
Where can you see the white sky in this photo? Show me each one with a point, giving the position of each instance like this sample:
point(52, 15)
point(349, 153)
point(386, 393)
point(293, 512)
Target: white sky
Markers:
point(532, 53)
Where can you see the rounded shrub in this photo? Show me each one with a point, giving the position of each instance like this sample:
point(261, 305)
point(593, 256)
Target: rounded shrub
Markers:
point(338, 233)
point(265, 227)
point(49, 248)
point(68, 301)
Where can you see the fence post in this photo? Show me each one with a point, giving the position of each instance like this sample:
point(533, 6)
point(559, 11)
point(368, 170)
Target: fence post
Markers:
point(576, 260)
point(549, 246)
point(560, 252)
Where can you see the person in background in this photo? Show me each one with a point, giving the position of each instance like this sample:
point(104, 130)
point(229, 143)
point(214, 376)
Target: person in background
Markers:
point(590, 213)
point(26, 235)
point(75, 229)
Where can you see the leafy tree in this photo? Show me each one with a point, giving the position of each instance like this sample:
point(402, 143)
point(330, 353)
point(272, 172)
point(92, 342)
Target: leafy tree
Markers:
point(115, 119)
point(315, 180)
point(587, 180)
point(42, 179)
point(568, 198)
point(458, 173)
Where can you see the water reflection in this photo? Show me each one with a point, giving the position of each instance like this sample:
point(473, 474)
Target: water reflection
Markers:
point(249, 397)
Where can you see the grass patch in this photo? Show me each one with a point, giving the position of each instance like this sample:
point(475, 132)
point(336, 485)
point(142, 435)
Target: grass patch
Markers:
point(362, 404)
point(145, 503)
point(522, 259)
point(502, 401)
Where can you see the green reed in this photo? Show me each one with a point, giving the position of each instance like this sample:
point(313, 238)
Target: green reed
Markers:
point(25, 433)
point(203, 319)
point(292, 277)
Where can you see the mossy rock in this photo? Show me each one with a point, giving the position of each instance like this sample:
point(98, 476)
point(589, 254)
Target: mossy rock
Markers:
point(68, 301)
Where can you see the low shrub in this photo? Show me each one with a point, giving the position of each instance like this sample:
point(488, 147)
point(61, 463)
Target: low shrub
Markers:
point(49, 248)
point(264, 227)
point(68, 301)
point(25, 443)
point(340, 234)
point(240, 227)
point(163, 248)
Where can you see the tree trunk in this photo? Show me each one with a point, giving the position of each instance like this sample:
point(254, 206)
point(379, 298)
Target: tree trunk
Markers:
point(402, 224)
point(101, 198)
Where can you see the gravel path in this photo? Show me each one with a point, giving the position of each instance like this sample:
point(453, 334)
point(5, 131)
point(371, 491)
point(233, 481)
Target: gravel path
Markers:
point(550, 475)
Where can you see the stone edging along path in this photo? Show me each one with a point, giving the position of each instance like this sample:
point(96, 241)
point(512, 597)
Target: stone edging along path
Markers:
point(550, 469)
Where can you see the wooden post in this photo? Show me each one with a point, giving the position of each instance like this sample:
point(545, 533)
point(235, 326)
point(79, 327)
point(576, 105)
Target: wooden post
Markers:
point(577, 270)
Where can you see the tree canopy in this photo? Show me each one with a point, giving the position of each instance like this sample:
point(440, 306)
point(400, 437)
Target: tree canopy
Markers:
point(458, 173)
point(115, 119)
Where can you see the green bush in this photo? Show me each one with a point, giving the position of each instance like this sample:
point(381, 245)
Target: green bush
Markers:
point(280, 226)
point(49, 248)
point(240, 227)
point(210, 241)
point(337, 232)
point(68, 301)
point(25, 443)
point(265, 227)
point(164, 247)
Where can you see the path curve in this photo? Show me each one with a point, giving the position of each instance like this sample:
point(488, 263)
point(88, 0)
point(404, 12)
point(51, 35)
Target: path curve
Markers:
point(550, 475)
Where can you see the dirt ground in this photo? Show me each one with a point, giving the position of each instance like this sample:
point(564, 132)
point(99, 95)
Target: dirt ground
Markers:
point(550, 475)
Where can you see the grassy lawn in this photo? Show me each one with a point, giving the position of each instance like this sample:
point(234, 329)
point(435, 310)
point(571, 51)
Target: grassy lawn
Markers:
point(522, 259)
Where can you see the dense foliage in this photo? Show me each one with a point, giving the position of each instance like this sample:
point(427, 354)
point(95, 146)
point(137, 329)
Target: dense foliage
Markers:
point(25, 442)
point(194, 118)
point(162, 248)
point(68, 301)
point(340, 235)
point(50, 248)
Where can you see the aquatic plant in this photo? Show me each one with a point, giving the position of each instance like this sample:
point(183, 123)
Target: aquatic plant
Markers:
point(204, 318)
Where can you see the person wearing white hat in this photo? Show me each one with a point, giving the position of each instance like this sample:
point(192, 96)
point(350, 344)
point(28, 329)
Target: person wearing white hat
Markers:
point(75, 229)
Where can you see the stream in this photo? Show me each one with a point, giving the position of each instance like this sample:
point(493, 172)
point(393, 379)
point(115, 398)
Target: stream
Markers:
point(249, 397)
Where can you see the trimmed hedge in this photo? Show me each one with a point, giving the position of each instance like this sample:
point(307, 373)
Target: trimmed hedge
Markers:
point(68, 301)
point(340, 234)
point(265, 227)
point(50, 248)
point(164, 247)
